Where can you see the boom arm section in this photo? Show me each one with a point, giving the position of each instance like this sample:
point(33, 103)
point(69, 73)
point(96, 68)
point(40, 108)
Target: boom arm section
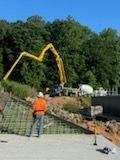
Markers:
point(40, 59)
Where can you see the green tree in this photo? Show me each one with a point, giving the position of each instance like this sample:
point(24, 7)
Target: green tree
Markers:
point(101, 52)
point(4, 25)
point(68, 37)
point(88, 57)
point(28, 36)
point(111, 52)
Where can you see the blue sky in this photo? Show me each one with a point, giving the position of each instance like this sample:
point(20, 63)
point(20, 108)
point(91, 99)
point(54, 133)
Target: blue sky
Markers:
point(96, 14)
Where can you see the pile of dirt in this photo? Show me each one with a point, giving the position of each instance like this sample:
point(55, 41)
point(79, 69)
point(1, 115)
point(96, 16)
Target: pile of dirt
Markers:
point(62, 100)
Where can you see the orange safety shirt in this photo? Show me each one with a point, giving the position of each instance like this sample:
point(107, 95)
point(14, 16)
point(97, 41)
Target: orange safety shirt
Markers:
point(39, 106)
point(1, 108)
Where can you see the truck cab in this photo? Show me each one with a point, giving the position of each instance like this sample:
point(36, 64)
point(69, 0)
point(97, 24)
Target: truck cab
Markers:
point(56, 90)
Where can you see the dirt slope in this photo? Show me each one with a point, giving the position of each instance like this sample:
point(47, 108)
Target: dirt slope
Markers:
point(64, 100)
point(101, 128)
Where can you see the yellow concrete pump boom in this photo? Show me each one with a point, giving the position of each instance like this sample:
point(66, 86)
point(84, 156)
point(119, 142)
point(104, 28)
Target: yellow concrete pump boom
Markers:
point(40, 59)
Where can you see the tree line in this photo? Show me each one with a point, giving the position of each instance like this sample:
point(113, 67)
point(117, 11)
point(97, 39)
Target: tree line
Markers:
point(88, 57)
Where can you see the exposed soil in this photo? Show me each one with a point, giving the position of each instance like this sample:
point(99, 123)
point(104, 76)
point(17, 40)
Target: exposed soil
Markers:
point(112, 133)
point(61, 101)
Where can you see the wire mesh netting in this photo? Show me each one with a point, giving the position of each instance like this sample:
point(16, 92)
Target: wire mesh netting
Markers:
point(18, 120)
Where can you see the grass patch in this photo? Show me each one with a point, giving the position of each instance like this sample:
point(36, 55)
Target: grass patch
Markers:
point(17, 89)
point(85, 101)
point(71, 108)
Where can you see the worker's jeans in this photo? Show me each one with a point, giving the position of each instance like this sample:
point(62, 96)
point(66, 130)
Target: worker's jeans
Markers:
point(38, 118)
point(1, 112)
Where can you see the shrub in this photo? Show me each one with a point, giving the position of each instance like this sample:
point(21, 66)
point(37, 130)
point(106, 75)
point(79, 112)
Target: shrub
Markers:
point(17, 89)
point(85, 101)
point(71, 108)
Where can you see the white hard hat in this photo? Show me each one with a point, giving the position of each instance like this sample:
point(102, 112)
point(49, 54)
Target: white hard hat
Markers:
point(40, 94)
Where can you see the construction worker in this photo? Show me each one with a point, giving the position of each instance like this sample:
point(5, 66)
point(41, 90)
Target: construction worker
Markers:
point(39, 108)
point(1, 111)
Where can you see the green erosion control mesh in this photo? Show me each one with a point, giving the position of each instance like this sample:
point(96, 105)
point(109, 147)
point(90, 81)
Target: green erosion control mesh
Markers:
point(18, 120)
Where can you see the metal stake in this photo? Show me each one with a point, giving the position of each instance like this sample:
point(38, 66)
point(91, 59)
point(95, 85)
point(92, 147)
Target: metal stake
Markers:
point(95, 137)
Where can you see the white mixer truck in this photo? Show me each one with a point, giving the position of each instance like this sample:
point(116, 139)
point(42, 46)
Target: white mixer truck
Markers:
point(85, 89)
